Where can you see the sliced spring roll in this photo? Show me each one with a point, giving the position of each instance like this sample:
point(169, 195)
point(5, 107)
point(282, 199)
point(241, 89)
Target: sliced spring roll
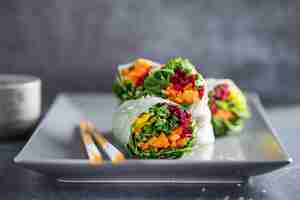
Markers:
point(228, 106)
point(177, 81)
point(129, 83)
point(155, 128)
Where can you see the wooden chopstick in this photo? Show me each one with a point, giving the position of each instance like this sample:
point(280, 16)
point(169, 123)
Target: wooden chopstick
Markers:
point(94, 155)
point(113, 153)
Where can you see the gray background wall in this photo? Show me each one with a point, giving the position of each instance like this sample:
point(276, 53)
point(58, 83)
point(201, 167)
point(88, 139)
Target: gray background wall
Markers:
point(75, 45)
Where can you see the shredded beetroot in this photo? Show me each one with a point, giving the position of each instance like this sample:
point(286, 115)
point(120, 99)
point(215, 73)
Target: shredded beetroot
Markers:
point(180, 79)
point(213, 107)
point(222, 91)
point(187, 132)
point(201, 92)
point(184, 119)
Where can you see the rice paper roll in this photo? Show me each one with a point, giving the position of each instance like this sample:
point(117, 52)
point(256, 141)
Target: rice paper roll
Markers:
point(177, 81)
point(228, 106)
point(156, 128)
point(129, 83)
point(180, 82)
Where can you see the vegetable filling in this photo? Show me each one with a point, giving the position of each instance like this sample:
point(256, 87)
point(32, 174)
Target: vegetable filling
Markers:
point(178, 81)
point(228, 107)
point(129, 83)
point(164, 131)
point(137, 72)
point(182, 88)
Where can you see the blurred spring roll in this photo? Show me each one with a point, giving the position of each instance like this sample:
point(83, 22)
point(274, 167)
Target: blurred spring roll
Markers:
point(228, 106)
point(155, 128)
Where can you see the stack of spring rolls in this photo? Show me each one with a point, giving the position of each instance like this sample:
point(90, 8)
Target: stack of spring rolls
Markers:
point(168, 109)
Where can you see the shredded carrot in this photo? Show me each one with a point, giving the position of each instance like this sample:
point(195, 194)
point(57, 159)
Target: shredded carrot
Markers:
point(181, 142)
point(224, 114)
point(189, 95)
point(189, 86)
point(175, 135)
point(138, 70)
point(142, 62)
point(160, 142)
point(173, 144)
point(143, 145)
point(157, 142)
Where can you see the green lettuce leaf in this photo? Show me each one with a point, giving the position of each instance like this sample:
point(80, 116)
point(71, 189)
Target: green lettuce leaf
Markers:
point(199, 80)
point(125, 90)
point(219, 127)
point(161, 121)
point(178, 62)
point(157, 81)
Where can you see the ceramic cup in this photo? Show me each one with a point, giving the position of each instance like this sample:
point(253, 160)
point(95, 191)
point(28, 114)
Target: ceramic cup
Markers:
point(20, 103)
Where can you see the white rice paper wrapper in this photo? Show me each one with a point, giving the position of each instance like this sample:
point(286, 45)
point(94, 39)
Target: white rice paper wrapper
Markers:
point(200, 111)
point(127, 113)
point(201, 153)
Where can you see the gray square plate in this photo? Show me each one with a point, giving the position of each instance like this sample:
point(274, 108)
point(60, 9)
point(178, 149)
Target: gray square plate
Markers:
point(55, 149)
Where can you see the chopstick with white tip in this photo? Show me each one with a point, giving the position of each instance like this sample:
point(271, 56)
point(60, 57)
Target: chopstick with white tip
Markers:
point(113, 153)
point(94, 155)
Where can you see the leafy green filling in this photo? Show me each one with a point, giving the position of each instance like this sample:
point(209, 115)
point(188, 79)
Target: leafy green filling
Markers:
point(237, 106)
point(199, 81)
point(222, 127)
point(170, 153)
point(180, 63)
point(156, 82)
point(125, 90)
point(161, 120)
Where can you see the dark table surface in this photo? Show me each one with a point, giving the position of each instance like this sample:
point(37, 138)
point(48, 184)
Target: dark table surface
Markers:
point(18, 183)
